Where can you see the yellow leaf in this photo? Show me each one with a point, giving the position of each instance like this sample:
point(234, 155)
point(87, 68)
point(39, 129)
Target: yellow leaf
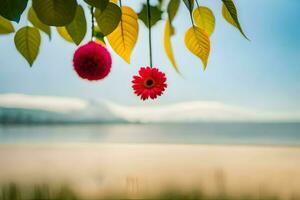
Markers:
point(100, 42)
point(197, 41)
point(167, 43)
point(114, 1)
point(64, 33)
point(205, 19)
point(124, 37)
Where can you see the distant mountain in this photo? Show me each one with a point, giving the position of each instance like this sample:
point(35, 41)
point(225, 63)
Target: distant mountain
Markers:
point(19, 108)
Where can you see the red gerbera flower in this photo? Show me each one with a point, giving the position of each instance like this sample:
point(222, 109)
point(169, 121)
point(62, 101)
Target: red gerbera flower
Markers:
point(92, 61)
point(150, 83)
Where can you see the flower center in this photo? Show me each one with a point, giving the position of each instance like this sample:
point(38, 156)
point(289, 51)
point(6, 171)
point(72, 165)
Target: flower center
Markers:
point(90, 63)
point(149, 83)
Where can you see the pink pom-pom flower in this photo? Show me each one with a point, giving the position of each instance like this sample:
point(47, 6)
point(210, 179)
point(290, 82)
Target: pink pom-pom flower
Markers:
point(92, 61)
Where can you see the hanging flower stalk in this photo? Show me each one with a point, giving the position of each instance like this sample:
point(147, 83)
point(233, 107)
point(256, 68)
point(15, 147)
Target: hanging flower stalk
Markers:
point(92, 61)
point(150, 83)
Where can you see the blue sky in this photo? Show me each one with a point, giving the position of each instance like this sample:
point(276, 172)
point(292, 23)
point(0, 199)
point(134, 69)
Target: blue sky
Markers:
point(263, 73)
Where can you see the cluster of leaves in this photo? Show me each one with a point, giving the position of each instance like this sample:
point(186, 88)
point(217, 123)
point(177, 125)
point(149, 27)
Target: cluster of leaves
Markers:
point(116, 24)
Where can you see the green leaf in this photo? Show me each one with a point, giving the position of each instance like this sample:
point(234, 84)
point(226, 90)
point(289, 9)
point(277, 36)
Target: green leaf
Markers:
point(6, 26)
point(172, 9)
point(77, 28)
point(27, 41)
point(12, 9)
point(230, 14)
point(55, 12)
point(155, 11)
point(98, 35)
point(108, 19)
point(160, 3)
point(189, 4)
point(37, 23)
point(100, 4)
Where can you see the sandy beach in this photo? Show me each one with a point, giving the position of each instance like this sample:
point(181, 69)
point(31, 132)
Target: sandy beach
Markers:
point(134, 169)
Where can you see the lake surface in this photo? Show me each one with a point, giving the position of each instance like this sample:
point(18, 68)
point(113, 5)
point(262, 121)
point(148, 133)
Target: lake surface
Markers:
point(202, 133)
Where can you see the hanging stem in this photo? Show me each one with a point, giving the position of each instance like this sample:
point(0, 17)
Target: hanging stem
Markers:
point(191, 16)
point(197, 3)
point(121, 22)
point(149, 26)
point(93, 22)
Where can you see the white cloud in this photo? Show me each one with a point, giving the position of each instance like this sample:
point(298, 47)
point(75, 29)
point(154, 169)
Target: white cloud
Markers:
point(48, 103)
point(199, 111)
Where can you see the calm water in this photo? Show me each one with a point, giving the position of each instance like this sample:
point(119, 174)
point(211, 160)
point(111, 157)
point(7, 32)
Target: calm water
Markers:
point(204, 133)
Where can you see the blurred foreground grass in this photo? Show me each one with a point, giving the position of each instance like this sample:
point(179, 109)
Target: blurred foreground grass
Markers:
point(45, 192)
